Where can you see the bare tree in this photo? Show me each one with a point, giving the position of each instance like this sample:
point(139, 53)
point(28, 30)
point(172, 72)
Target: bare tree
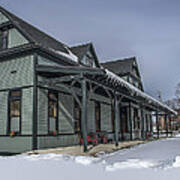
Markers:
point(177, 94)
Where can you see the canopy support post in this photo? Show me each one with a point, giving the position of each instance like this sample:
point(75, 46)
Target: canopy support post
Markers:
point(166, 121)
point(142, 123)
point(130, 121)
point(117, 116)
point(157, 124)
point(116, 109)
point(84, 113)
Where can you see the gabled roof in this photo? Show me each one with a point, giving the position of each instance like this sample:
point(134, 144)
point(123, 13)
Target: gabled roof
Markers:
point(123, 66)
point(81, 50)
point(33, 34)
point(116, 80)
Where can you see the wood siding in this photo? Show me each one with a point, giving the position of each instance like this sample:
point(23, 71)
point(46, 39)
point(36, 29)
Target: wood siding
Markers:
point(16, 73)
point(15, 144)
point(91, 124)
point(42, 111)
point(66, 123)
point(65, 112)
point(96, 97)
point(3, 18)
point(27, 106)
point(15, 38)
point(3, 112)
point(63, 140)
point(26, 112)
point(106, 122)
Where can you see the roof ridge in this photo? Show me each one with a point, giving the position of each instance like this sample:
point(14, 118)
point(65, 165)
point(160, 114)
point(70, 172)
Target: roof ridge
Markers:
point(9, 16)
point(80, 45)
point(33, 33)
point(119, 60)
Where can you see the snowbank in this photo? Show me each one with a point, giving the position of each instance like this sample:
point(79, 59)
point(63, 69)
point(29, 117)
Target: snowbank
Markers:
point(176, 164)
point(85, 160)
point(177, 135)
point(156, 160)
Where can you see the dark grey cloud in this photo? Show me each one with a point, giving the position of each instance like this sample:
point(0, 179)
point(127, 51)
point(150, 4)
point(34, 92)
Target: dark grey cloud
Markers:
point(148, 29)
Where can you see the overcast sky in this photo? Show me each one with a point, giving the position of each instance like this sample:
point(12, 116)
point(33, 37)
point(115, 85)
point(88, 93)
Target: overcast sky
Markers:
point(147, 29)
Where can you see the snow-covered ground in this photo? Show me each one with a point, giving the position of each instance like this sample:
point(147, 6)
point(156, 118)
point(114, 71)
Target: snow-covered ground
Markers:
point(155, 160)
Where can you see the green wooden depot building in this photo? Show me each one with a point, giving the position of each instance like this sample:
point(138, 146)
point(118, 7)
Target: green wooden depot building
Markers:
point(53, 95)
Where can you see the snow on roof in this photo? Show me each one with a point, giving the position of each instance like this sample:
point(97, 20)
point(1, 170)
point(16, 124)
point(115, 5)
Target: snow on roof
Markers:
point(135, 90)
point(68, 55)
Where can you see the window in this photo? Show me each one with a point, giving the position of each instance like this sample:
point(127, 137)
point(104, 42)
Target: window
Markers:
point(137, 84)
point(124, 77)
point(136, 119)
point(77, 117)
point(52, 112)
point(14, 124)
point(135, 71)
point(3, 18)
point(130, 80)
point(98, 116)
point(3, 40)
point(88, 61)
point(123, 120)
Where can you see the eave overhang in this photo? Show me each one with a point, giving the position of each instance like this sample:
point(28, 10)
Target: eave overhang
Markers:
point(69, 70)
point(110, 80)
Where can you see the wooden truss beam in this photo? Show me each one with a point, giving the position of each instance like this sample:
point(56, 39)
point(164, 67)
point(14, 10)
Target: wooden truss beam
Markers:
point(69, 88)
point(69, 70)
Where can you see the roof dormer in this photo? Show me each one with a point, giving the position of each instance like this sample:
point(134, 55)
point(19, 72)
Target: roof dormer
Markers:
point(86, 54)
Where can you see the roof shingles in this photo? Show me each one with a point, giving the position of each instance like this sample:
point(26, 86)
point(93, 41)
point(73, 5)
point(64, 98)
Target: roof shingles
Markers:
point(80, 50)
point(120, 66)
point(34, 34)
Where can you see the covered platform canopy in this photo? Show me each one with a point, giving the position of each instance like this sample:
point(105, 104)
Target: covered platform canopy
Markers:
point(109, 80)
